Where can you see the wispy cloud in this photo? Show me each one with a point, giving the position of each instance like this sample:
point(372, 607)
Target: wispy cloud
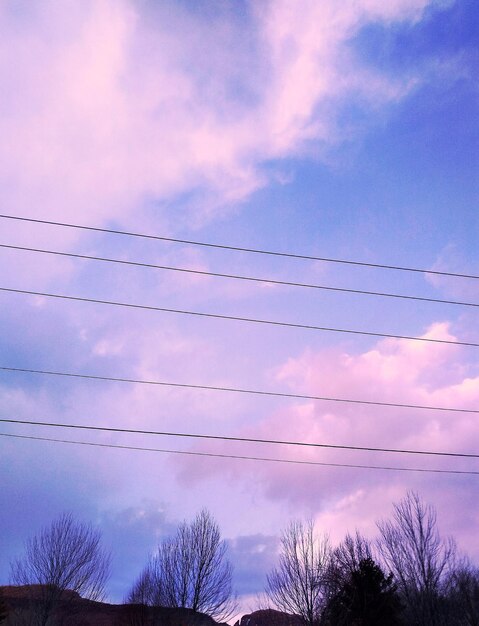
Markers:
point(108, 111)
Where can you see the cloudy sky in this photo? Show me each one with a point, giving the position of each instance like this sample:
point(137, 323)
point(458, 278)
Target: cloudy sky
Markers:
point(341, 130)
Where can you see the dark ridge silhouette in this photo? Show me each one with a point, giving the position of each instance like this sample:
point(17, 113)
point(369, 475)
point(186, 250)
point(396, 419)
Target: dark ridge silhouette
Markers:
point(270, 617)
point(77, 611)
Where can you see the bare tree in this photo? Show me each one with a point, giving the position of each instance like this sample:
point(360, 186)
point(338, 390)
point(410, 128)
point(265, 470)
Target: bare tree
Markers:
point(347, 556)
point(463, 594)
point(65, 557)
point(300, 584)
point(149, 586)
point(346, 559)
point(190, 570)
point(419, 559)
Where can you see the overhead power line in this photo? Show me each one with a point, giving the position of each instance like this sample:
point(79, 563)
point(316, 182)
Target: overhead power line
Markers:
point(306, 444)
point(238, 248)
point(244, 458)
point(255, 279)
point(278, 394)
point(236, 318)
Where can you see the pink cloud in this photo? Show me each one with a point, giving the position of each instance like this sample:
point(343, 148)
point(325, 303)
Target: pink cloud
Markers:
point(394, 371)
point(107, 110)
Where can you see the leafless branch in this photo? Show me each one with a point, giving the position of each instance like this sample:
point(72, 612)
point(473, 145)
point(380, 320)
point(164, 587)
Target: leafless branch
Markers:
point(65, 557)
point(300, 584)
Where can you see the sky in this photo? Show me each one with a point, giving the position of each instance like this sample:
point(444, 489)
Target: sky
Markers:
point(338, 130)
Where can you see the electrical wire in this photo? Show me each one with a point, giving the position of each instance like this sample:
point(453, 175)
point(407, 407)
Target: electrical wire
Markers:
point(268, 281)
point(135, 431)
point(237, 318)
point(244, 458)
point(238, 248)
point(235, 390)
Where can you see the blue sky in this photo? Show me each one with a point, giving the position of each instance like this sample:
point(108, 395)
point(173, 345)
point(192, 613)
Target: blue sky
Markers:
point(339, 130)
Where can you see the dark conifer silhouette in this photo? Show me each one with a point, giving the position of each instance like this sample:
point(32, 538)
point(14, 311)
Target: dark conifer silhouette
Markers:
point(367, 598)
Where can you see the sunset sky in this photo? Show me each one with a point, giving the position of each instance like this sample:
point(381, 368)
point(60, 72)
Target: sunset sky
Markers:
point(340, 130)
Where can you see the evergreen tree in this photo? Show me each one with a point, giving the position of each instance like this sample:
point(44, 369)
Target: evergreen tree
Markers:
point(366, 598)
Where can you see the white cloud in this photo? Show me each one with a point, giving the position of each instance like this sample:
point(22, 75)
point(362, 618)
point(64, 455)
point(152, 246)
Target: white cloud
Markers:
point(110, 106)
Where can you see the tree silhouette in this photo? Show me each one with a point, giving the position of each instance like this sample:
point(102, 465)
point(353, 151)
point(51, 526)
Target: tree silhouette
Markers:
point(420, 560)
point(190, 570)
point(65, 557)
point(346, 558)
point(300, 583)
point(367, 598)
point(463, 594)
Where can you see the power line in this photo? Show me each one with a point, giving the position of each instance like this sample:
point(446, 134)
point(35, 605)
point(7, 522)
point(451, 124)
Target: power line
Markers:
point(135, 431)
point(269, 281)
point(237, 318)
point(238, 248)
point(235, 390)
point(243, 458)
